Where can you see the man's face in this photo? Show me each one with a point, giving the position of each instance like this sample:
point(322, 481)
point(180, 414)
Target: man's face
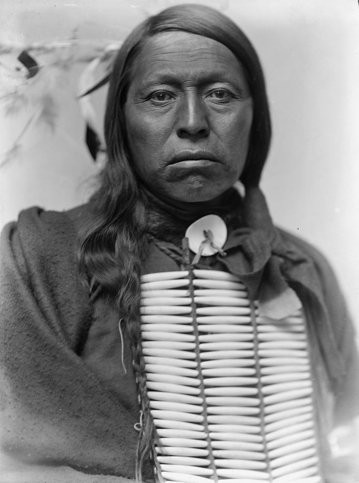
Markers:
point(188, 117)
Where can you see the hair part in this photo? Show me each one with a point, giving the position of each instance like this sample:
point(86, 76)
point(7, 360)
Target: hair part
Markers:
point(114, 245)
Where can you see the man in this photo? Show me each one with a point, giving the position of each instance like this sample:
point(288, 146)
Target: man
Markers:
point(187, 117)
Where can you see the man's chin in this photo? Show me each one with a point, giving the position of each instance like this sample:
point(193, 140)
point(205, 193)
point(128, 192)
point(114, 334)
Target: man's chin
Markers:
point(189, 186)
point(196, 191)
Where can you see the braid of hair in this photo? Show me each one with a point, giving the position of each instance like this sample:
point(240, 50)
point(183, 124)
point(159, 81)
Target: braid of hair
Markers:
point(112, 249)
point(147, 430)
point(129, 301)
point(168, 249)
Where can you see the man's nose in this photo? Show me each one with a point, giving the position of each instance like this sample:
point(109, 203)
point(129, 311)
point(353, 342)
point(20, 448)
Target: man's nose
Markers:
point(192, 121)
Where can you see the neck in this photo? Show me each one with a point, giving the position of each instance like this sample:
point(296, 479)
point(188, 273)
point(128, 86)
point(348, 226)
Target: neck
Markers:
point(189, 210)
point(168, 220)
point(199, 206)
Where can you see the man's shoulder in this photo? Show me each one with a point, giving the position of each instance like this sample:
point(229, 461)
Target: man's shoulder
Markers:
point(307, 248)
point(38, 222)
point(41, 218)
point(43, 237)
point(327, 278)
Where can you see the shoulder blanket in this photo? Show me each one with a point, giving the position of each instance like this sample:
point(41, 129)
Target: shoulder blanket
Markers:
point(56, 410)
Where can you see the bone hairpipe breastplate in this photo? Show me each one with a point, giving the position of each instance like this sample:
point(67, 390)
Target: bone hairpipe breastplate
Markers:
point(230, 392)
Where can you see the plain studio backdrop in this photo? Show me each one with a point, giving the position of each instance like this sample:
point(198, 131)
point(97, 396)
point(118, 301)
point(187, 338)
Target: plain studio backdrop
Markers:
point(309, 50)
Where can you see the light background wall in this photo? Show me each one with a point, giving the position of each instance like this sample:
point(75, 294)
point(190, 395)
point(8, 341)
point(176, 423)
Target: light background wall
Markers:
point(310, 54)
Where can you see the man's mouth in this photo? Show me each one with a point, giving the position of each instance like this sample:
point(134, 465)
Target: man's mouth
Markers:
point(194, 158)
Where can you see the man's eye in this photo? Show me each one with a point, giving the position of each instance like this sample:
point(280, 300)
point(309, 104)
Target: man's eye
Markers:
point(220, 95)
point(161, 96)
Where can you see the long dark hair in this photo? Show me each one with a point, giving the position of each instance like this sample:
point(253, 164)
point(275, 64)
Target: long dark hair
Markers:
point(114, 244)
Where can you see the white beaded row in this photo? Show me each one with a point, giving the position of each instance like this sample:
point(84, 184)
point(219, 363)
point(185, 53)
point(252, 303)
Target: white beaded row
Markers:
point(255, 385)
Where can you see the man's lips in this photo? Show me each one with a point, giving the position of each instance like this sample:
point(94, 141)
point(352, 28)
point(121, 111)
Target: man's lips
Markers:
point(198, 157)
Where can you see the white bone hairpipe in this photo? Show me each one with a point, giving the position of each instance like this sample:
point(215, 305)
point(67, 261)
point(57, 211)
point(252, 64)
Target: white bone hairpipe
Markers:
point(230, 392)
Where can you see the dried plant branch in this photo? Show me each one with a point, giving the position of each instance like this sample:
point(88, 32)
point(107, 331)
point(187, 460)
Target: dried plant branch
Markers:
point(20, 90)
point(82, 50)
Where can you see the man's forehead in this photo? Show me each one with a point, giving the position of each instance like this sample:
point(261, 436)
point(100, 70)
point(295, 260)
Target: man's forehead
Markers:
point(175, 55)
point(171, 46)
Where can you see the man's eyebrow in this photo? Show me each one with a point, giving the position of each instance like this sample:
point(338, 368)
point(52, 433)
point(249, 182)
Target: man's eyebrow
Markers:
point(176, 79)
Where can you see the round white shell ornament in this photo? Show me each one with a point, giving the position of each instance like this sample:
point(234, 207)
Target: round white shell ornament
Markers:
point(210, 229)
